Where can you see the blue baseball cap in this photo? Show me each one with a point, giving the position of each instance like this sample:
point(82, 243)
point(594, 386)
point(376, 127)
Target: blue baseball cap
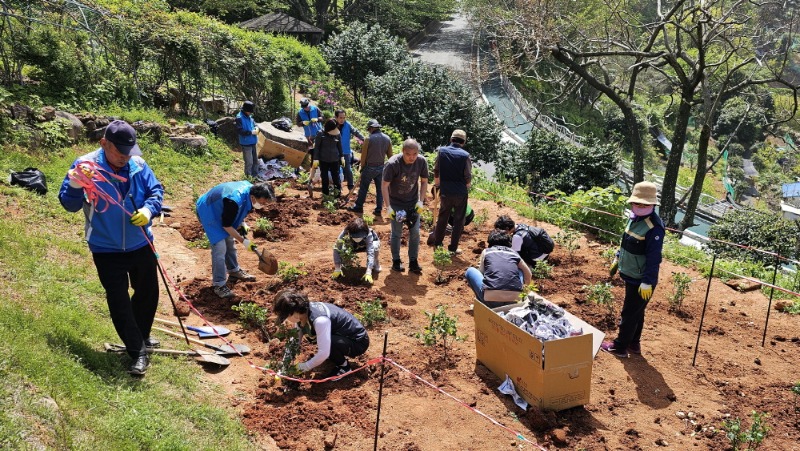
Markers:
point(123, 136)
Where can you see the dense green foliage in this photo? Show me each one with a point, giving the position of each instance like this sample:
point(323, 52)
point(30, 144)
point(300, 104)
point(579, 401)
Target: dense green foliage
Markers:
point(548, 163)
point(427, 103)
point(739, 116)
point(766, 231)
point(360, 51)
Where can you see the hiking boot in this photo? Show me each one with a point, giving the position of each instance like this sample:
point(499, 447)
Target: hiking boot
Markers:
point(242, 275)
point(339, 370)
point(140, 365)
point(354, 209)
point(610, 347)
point(635, 348)
point(223, 291)
point(397, 265)
point(414, 267)
point(152, 343)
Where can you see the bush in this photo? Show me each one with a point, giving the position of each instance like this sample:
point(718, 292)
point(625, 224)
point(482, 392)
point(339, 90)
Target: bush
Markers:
point(428, 102)
point(680, 287)
point(751, 438)
point(371, 312)
point(747, 227)
point(596, 200)
point(542, 270)
point(440, 328)
point(600, 294)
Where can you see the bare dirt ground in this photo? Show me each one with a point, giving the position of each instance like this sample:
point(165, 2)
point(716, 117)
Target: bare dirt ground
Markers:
point(650, 401)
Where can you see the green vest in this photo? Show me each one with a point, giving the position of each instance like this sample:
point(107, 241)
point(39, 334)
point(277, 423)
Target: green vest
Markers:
point(632, 259)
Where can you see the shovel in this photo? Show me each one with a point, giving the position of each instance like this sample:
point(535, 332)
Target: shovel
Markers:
point(200, 356)
point(224, 349)
point(202, 331)
point(311, 182)
point(267, 263)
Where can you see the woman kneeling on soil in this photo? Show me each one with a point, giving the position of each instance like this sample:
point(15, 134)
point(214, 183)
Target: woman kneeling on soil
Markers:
point(360, 238)
point(338, 333)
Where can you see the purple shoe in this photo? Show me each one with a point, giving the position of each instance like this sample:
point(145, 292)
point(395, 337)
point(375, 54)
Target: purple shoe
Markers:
point(609, 347)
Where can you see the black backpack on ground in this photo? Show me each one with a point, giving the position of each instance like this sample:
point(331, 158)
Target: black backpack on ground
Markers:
point(283, 123)
point(539, 236)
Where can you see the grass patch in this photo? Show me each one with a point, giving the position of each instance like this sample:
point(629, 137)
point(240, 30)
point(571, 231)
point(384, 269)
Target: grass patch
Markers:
point(58, 388)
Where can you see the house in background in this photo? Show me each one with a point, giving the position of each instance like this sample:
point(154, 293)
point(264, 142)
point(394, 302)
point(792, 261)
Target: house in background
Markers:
point(282, 23)
point(790, 206)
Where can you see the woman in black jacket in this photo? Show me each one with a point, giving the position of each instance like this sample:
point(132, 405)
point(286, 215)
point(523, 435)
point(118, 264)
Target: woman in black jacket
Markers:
point(328, 156)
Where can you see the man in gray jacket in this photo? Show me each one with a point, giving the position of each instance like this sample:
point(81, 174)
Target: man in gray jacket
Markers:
point(375, 150)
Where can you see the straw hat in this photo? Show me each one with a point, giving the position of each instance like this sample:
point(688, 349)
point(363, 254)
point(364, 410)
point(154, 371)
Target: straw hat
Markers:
point(644, 193)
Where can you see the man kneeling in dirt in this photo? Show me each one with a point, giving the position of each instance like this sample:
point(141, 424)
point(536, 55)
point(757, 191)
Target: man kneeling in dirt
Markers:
point(502, 274)
point(360, 238)
point(221, 212)
point(533, 244)
point(338, 333)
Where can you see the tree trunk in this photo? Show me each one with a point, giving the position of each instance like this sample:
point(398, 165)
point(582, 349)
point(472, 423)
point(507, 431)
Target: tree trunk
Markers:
point(637, 147)
point(699, 177)
point(669, 208)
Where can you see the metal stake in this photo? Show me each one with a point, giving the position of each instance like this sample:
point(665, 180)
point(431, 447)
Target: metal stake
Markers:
point(771, 293)
point(380, 389)
point(705, 303)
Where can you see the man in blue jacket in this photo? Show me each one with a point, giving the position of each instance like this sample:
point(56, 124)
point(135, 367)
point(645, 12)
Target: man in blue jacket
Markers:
point(248, 138)
point(347, 131)
point(221, 212)
point(310, 118)
point(119, 241)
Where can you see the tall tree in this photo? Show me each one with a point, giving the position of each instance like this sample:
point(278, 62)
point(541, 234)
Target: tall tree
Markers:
point(700, 50)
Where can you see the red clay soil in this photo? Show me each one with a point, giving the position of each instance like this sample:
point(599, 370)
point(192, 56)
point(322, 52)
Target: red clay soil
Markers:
point(654, 400)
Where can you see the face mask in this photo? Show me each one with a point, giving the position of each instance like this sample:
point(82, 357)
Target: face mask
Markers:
point(257, 205)
point(642, 211)
point(357, 239)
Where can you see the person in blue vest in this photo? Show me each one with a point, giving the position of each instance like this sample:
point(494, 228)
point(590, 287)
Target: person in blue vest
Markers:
point(347, 133)
point(310, 118)
point(501, 275)
point(638, 261)
point(221, 212)
point(119, 241)
point(338, 333)
point(452, 173)
point(247, 130)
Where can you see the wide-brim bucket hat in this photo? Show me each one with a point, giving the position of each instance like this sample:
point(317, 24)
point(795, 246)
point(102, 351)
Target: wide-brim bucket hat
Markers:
point(644, 193)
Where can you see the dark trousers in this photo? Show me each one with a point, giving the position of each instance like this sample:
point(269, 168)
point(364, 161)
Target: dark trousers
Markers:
point(342, 347)
point(632, 317)
point(450, 205)
point(330, 169)
point(132, 315)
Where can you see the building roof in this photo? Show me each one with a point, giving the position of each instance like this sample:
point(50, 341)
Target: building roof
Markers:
point(279, 23)
point(791, 190)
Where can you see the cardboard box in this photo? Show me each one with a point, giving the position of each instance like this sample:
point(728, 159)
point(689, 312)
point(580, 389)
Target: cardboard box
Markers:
point(272, 149)
point(553, 375)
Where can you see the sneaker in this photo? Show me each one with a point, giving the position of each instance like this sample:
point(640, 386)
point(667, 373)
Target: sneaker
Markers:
point(140, 365)
point(458, 251)
point(608, 346)
point(223, 292)
point(152, 343)
point(414, 267)
point(635, 348)
point(339, 370)
point(354, 209)
point(397, 265)
point(242, 275)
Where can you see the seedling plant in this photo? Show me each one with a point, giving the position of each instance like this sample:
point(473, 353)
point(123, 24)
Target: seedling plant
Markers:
point(746, 439)
point(542, 270)
point(368, 219)
point(480, 219)
point(569, 239)
point(372, 312)
point(329, 203)
point(796, 391)
point(600, 294)
point(349, 256)
point(680, 287)
point(289, 273)
point(440, 328)
point(264, 225)
point(252, 316)
point(441, 258)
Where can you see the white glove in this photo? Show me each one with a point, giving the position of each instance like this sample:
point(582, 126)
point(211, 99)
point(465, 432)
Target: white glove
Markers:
point(646, 291)
point(390, 212)
point(141, 217)
point(419, 207)
point(314, 119)
point(248, 245)
point(303, 367)
point(255, 131)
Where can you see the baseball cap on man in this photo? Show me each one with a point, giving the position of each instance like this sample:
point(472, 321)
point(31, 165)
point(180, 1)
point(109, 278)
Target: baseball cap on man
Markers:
point(460, 134)
point(373, 123)
point(248, 106)
point(123, 136)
